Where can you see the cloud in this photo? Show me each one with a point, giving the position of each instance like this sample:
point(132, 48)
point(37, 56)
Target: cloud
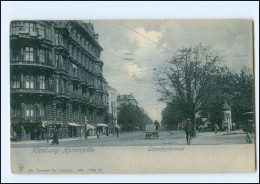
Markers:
point(230, 37)
point(143, 39)
point(134, 70)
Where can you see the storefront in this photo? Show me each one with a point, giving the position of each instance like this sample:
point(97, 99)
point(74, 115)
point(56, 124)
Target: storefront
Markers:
point(91, 130)
point(102, 128)
point(75, 129)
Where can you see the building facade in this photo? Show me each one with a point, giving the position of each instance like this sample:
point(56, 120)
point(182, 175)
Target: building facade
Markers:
point(112, 100)
point(126, 99)
point(56, 79)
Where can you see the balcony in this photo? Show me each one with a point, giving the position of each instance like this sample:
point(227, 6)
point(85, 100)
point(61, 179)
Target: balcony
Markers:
point(104, 91)
point(62, 49)
point(32, 91)
point(92, 103)
point(75, 97)
point(98, 90)
point(85, 99)
point(84, 83)
point(100, 106)
point(88, 28)
point(33, 36)
point(98, 75)
point(62, 95)
point(61, 25)
point(60, 71)
point(91, 87)
point(75, 78)
point(43, 65)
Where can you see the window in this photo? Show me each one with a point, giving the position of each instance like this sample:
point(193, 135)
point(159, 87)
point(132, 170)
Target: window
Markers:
point(42, 82)
point(59, 61)
point(57, 85)
point(77, 55)
point(16, 81)
point(16, 112)
point(41, 31)
point(42, 112)
point(29, 27)
point(15, 55)
point(74, 70)
point(58, 39)
point(29, 82)
point(42, 55)
point(62, 86)
point(29, 54)
point(29, 111)
point(15, 28)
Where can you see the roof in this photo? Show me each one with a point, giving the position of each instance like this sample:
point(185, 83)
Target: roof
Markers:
point(226, 106)
point(110, 88)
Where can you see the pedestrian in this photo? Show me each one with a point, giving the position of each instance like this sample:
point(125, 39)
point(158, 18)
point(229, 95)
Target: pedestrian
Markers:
point(157, 125)
point(117, 132)
point(188, 130)
point(55, 137)
point(249, 131)
point(216, 129)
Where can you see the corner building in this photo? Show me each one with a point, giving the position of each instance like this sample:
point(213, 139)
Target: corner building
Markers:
point(56, 79)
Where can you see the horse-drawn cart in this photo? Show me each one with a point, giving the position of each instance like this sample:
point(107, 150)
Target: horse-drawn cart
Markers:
point(151, 131)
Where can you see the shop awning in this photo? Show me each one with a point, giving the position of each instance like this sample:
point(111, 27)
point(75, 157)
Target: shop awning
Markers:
point(102, 125)
point(74, 124)
point(44, 123)
point(117, 126)
point(90, 126)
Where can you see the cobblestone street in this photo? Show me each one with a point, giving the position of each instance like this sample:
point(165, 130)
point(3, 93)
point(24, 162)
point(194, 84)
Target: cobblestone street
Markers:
point(138, 139)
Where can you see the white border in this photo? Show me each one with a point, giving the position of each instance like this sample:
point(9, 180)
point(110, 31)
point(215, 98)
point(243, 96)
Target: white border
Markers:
point(117, 10)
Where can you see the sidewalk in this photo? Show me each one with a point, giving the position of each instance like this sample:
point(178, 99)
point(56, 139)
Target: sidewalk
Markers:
point(60, 140)
point(233, 132)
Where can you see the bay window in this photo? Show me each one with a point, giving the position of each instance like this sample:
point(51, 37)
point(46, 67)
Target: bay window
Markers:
point(29, 113)
point(29, 54)
point(42, 112)
point(58, 39)
point(29, 27)
point(41, 31)
point(29, 82)
point(16, 112)
point(42, 82)
point(15, 28)
point(42, 56)
point(16, 81)
point(59, 61)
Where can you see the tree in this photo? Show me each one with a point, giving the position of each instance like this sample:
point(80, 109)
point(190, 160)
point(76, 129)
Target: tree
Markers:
point(237, 90)
point(131, 116)
point(172, 116)
point(189, 79)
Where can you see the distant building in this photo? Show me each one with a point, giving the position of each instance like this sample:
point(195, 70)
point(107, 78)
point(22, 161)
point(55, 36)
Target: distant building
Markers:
point(126, 99)
point(112, 100)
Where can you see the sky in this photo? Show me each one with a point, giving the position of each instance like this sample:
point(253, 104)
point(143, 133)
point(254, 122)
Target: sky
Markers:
point(134, 48)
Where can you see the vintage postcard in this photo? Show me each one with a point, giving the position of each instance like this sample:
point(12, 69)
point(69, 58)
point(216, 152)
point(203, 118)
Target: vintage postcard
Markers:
point(132, 96)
